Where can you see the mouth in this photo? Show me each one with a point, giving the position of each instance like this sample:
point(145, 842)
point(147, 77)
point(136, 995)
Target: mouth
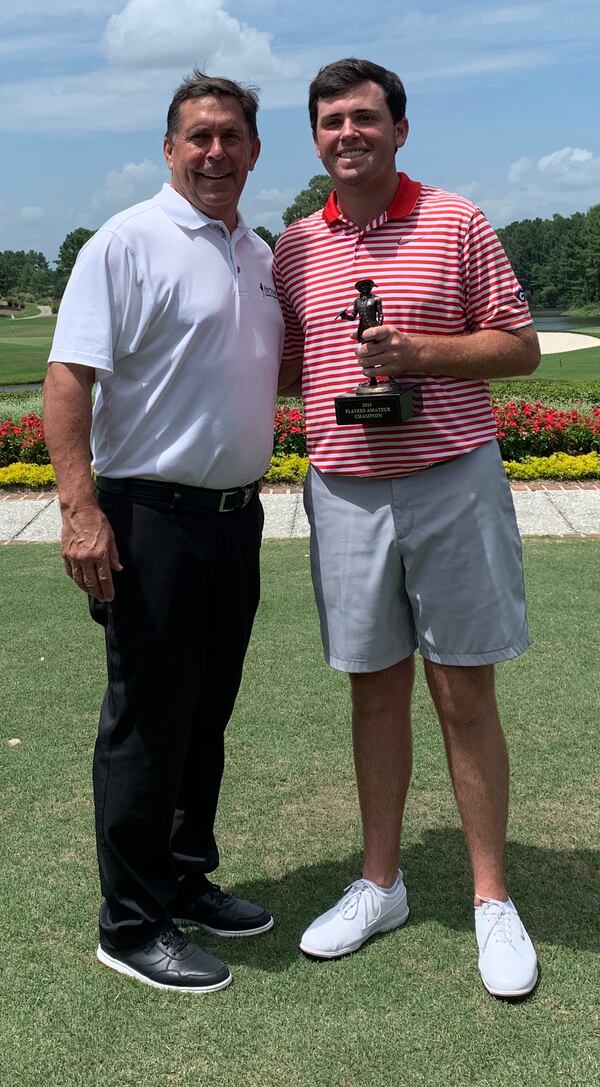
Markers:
point(213, 177)
point(351, 154)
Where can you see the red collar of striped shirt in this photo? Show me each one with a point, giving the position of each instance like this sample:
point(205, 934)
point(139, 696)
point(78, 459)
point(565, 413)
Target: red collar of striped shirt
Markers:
point(403, 203)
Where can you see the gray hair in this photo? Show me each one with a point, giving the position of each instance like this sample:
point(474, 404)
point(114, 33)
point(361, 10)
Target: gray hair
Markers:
point(199, 85)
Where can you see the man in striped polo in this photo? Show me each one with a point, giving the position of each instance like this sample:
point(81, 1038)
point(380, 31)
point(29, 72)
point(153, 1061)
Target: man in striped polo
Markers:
point(414, 539)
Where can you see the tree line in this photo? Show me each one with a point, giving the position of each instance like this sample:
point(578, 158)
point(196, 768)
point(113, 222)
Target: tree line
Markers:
point(557, 260)
point(26, 276)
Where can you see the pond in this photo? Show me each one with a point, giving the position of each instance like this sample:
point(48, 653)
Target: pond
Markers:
point(557, 322)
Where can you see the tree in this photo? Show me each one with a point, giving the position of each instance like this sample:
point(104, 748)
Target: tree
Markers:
point(266, 235)
point(67, 255)
point(310, 199)
point(24, 272)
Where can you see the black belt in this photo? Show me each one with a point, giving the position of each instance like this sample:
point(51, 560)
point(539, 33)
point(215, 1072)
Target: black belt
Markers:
point(180, 493)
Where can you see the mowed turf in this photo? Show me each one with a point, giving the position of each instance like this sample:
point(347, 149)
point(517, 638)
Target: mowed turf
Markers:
point(24, 348)
point(581, 365)
point(406, 1011)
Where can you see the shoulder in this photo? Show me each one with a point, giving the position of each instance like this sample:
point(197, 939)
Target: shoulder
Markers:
point(131, 222)
point(259, 245)
point(439, 202)
point(301, 235)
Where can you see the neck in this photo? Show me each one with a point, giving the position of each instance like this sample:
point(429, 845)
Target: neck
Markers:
point(363, 205)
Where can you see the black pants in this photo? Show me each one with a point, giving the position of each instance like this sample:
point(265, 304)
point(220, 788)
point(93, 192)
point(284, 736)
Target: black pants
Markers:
point(176, 635)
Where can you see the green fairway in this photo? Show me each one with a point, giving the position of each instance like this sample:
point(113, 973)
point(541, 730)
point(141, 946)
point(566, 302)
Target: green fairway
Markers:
point(570, 366)
point(24, 348)
point(406, 1011)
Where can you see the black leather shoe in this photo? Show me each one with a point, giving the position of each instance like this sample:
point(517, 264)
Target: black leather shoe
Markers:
point(221, 913)
point(169, 961)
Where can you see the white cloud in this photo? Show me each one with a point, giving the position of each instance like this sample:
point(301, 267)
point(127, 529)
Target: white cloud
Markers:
point(563, 181)
point(135, 181)
point(569, 169)
point(104, 101)
point(276, 197)
point(32, 212)
point(504, 61)
point(151, 34)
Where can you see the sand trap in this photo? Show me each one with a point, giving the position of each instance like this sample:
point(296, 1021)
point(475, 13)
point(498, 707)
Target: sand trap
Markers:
point(553, 342)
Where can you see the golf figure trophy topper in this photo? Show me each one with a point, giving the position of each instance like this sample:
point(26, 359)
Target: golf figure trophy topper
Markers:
point(374, 403)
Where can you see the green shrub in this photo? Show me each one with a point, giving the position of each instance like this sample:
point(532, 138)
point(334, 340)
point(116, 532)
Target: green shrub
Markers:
point(559, 393)
point(558, 466)
point(27, 475)
point(287, 468)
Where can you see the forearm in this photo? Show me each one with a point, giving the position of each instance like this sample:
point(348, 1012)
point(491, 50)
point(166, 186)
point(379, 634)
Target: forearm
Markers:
point(67, 427)
point(479, 355)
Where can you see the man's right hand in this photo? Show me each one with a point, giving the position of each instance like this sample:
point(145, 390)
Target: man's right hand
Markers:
point(89, 551)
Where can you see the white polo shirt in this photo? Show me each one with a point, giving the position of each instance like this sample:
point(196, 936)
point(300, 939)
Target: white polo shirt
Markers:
point(180, 320)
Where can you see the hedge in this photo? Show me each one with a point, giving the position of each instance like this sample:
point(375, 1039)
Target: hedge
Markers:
point(291, 469)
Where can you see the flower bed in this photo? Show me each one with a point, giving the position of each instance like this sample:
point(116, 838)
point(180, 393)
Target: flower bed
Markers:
point(534, 429)
point(23, 440)
point(537, 441)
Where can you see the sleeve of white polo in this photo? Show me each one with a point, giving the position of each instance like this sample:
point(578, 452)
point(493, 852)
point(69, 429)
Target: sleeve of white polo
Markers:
point(103, 312)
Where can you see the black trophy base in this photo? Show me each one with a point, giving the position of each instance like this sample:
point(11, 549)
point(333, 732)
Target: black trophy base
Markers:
point(378, 408)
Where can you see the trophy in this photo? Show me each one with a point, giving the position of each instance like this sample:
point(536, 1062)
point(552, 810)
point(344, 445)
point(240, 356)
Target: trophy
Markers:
point(374, 403)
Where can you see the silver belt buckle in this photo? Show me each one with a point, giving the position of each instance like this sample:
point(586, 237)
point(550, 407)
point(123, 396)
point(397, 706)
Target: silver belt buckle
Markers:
point(248, 494)
point(224, 497)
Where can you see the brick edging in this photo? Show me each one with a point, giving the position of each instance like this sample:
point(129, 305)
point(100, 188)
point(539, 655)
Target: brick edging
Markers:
point(12, 495)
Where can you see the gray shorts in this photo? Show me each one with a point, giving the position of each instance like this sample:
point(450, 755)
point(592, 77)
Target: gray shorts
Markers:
point(429, 561)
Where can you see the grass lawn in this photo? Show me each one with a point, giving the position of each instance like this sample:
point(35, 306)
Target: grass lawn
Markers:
point(24, 347)
point(408, 1010)
point(24, 351)
point(570, 366)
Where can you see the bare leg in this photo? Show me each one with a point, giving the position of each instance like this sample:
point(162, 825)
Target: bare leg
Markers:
point(383, 760)
point(465, 701)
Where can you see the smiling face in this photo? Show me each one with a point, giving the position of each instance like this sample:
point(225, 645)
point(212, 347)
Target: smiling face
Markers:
point(211, 154)
point(356, 138)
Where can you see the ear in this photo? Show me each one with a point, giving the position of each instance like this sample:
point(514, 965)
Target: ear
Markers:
point(314, 136)
point(254, 153)
point(401, 132)
point(168, 152)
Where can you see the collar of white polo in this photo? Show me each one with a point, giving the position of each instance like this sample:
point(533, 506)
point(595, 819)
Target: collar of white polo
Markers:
point(180, 211)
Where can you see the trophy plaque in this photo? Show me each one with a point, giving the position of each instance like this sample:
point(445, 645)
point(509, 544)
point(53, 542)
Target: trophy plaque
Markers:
point(374, 403)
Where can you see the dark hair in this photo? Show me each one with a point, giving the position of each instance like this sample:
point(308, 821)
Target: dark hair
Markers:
point(199, 85)
point(337, 77)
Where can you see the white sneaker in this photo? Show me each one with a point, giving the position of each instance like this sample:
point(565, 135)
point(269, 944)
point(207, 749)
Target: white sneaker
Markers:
point(507, 958)
point(363, 910)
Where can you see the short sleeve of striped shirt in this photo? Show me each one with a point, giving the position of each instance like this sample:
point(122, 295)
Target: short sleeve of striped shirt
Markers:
point(493, 295)
point(293, 345)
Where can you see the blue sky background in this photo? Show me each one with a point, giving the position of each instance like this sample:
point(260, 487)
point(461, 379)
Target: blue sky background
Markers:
point(502, 100)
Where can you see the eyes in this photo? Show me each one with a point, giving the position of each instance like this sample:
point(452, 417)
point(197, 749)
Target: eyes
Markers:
point(231, 138)
point(337, 120)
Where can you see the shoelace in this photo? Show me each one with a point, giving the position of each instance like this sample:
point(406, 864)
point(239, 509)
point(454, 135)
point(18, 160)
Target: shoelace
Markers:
point(501, 918)
point(350, 903)
point(214, 891)
point(172, 939)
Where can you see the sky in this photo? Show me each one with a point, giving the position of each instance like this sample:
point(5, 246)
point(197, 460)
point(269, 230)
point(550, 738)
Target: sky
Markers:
point(502, 100)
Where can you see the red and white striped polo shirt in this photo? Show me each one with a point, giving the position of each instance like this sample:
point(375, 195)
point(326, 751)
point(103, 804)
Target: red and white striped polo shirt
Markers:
point(439, 270)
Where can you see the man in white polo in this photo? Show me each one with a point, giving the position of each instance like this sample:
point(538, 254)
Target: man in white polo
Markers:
point(414, 541)
point(171, 309)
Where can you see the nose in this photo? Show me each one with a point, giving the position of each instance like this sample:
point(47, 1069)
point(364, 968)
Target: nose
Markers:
point(215, 150)
point(348, 129)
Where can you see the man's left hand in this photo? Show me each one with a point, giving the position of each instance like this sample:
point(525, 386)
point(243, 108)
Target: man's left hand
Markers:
point(386, 352)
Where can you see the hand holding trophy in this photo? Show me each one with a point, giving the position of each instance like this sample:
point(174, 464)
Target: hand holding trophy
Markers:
point(374, 403)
